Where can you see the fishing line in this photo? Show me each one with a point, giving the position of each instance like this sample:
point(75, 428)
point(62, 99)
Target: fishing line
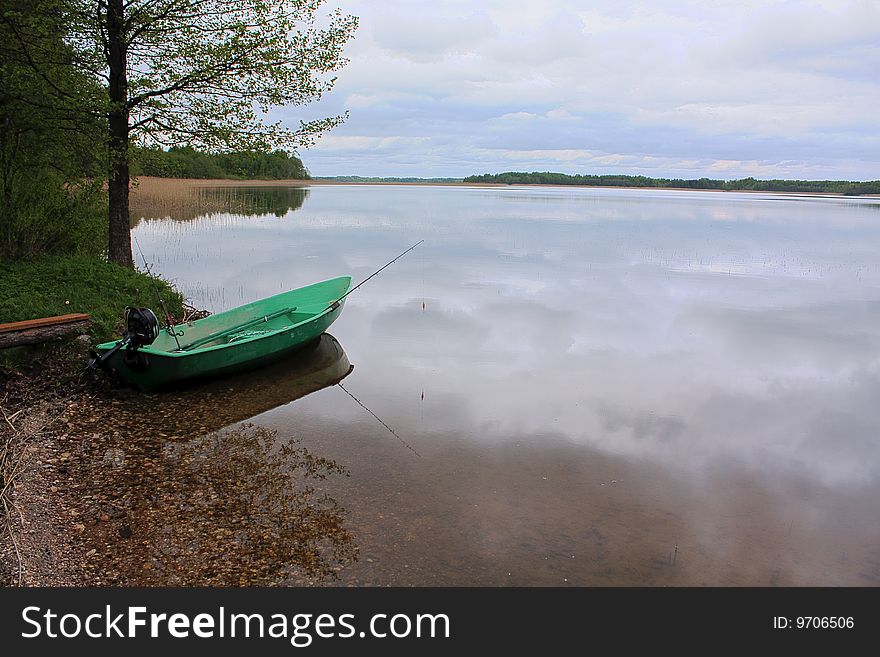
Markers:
point(361, 404)
point(424, 308)
point(335, 304)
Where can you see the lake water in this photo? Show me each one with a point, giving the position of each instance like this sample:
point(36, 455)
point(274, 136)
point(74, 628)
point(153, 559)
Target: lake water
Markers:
point(587, 386)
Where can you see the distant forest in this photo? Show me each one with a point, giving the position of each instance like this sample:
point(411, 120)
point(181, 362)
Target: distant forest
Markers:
point(744, 184)
point(186, 162)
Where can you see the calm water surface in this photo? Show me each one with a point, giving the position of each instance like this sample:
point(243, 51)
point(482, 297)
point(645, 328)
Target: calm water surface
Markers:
point(603, 387)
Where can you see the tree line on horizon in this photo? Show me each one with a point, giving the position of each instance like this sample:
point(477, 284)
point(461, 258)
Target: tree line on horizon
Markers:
point(188, 162)
point(848, 188)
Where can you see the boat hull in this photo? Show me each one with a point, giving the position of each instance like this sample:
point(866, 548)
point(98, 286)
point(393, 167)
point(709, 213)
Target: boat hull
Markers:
point(158, 366)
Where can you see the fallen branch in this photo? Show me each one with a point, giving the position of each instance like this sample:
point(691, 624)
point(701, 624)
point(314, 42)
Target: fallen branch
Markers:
point(8, 516)
point(9, 421)
point(9, 471)
point(12, 465)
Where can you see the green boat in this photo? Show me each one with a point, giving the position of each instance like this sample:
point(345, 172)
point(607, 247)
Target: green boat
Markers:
point(241, 338)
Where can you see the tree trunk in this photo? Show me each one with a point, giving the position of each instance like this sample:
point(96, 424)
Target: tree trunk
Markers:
point(119, 248)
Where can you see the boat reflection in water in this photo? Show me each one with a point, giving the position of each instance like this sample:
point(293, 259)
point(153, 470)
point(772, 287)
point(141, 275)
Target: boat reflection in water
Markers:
point(212, 500)
point(229, 399)
point(215, 403)
point(319, 365)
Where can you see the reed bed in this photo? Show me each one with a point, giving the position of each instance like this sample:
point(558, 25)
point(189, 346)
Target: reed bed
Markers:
point(189, 198)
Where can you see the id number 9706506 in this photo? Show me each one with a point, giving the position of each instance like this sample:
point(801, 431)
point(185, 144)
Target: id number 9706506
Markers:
point(813, 622)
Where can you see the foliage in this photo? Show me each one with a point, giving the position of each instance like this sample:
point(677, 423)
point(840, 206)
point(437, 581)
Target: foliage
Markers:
point(187, 162)
point(50, 186)
point(49, 216)
point(200, 73)
point(57, 286)
point(204, 73)
point(744, 184)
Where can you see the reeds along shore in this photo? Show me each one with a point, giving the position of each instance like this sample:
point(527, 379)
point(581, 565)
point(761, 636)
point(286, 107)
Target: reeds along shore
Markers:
point(187, 198)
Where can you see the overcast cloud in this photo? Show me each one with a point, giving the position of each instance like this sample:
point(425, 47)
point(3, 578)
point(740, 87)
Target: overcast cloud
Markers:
point(687, 88)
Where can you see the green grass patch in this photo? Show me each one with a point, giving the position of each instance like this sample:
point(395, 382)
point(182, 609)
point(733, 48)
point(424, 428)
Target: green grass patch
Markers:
point(61, 285)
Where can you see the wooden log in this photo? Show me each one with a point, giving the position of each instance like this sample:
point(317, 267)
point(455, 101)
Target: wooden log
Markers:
point(33, 331)
point(43, 321)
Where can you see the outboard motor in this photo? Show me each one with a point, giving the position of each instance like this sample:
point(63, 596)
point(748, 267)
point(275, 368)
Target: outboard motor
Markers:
point(141, 329)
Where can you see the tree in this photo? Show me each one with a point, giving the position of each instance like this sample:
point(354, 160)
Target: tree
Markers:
point(51, 172)
point(203, 73)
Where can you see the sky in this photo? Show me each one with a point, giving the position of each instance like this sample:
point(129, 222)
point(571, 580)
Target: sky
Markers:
point(716, 88)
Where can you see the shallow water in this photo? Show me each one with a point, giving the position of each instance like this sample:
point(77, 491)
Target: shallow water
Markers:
point(589, 386)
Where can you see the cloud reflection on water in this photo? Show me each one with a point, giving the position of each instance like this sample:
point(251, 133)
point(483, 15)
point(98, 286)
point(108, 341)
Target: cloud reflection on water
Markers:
point(683, 327)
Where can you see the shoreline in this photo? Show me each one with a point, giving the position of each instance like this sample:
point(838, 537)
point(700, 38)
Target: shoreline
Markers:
point(227, 182)
point(101, 472)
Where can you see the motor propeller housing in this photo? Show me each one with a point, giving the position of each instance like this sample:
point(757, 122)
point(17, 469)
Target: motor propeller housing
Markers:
point(141, 327)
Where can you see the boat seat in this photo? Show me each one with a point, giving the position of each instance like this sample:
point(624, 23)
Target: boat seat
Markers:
point(243, 335)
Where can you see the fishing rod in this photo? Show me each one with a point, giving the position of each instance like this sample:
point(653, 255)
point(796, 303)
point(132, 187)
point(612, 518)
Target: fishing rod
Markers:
point(335, 304)
point(169, 322)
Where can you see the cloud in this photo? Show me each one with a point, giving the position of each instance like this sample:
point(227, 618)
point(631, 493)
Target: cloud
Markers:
point(684, 88)
point(416, 34)
point(349, 143)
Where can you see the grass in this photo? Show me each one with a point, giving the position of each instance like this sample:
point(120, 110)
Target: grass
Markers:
point(61, 285)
